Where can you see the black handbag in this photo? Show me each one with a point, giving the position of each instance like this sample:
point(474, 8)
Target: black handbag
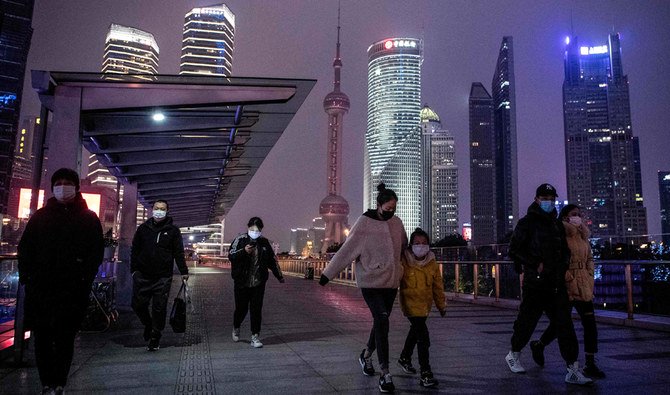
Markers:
point(178, 313)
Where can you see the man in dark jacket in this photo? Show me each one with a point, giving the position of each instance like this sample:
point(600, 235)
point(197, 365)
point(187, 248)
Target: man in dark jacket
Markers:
point(59, 254)
point(539, 249)
point(250, 258)
point(157, 245)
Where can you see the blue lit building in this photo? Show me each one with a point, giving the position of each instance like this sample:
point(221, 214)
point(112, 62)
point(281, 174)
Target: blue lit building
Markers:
point(664, 192)
point(208, 41)
point(15, 33)
point(602, 155)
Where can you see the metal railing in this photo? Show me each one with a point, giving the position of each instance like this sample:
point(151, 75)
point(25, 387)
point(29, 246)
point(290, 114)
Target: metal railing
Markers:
point(628, 286)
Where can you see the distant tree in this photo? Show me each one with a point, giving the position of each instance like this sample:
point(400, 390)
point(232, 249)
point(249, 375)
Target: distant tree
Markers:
point(333, 248)
point(453, 240)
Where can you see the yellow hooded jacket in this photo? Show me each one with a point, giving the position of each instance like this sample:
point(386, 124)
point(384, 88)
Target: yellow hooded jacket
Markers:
point(421, 284)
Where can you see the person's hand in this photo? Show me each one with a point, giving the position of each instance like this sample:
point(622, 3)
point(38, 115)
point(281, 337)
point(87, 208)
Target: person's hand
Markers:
point(443, 313)
point(184, 277)
point(248, 248)
point(323, 280)
point(282, 280)
point(540, 267)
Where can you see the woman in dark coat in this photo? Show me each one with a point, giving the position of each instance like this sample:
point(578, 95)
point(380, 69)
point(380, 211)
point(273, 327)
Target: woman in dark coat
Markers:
point(59, 254)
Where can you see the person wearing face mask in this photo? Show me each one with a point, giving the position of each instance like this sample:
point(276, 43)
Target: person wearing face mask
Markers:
point(421, 284)
point(59, 254)
point(540, 251)
point(579, 281)
point(251, 255)
point(157, 246)
point(376, 243)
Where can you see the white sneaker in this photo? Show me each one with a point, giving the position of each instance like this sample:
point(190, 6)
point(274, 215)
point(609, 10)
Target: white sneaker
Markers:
point(513, 362)
point(255, 341)
point(574, 376)
point(236, 334)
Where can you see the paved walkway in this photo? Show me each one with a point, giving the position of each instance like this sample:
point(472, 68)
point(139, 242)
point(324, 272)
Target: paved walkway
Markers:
point(312, 338)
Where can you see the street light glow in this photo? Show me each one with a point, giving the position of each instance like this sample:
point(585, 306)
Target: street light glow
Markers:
point(158, 116)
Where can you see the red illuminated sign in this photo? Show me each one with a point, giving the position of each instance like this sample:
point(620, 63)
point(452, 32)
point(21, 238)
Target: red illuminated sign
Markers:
point(92, 201)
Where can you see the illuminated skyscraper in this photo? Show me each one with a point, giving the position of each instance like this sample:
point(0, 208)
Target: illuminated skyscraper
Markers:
point(129, 51)
point(208, 41)
point(334, 209)
point(602, 155)
point(23, 153)
point(482, 166)
point(15, 34)
point(439, 178)
point(664, 192)
point(393, 135)
point(504, 120)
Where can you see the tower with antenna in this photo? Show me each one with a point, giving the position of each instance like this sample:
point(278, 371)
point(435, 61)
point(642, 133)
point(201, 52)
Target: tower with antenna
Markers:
point(334, 209)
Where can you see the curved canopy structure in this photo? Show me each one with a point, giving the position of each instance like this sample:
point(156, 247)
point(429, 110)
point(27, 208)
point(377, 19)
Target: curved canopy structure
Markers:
point(195, 141)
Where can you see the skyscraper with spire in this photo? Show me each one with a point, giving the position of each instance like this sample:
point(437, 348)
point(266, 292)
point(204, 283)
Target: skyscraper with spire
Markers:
point(602, 155)
point(334, 209)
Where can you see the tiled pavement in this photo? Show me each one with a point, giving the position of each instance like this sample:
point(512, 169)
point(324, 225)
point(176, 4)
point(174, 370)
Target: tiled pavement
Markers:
point(312, 338)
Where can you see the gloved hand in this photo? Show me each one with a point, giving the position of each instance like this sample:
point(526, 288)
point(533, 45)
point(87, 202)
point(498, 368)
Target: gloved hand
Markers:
point(323, 280)
point(443, 313)
point(282, 280)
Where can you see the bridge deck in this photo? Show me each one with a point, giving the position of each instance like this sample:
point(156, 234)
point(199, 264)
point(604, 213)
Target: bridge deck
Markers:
point(312, 338)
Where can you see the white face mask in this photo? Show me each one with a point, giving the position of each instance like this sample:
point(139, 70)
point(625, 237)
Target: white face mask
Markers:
point(159, 214)
point(420, 250)
point(575, 220)
point(254, 234)
point(64, 193)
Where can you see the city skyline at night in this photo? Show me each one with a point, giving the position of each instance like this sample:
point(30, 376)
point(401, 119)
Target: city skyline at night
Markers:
point(289, 40)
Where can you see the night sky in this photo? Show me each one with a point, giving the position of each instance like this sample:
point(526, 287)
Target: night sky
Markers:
point(296, 39)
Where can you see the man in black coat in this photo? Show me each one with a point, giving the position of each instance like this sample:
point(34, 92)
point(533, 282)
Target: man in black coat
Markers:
point(59, 254)
point(157, 245)
point(251, 256)
point(540, 250)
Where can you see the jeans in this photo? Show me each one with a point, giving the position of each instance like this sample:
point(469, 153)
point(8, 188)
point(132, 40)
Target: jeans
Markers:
point(156, 292)
point(380, 302)
point(418, 335)
point(251, 300)
point(558, 309)
point(585, 311)
point(54, 348)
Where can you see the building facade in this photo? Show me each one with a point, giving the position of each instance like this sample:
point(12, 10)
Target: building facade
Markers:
point(439, 178)
point(504, 121)
point(15, 34)
point(23, 151)
point(334, 209)
point(664, 192)
point(208, 41)
point(483, 210)
point(602, 155)
point(393, 137)
point(130, 51)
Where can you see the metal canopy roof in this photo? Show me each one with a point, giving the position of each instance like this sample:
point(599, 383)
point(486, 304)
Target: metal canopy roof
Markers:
point(216, 133)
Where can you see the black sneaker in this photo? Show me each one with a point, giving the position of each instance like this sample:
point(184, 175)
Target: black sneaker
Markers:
point(366, 364)
point(591, 370)
point(386, 383)
point(147, 333)
point(154, 344)
point(427, 379)
point(537, 350)
point(406, 365)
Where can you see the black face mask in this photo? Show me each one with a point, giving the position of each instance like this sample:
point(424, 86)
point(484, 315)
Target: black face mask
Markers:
point(386, 215)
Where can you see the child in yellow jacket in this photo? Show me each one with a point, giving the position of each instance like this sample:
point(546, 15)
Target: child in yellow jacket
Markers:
point(421, 284)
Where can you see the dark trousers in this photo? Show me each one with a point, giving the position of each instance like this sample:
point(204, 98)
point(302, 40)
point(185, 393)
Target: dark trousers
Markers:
point(417, 336)
point(585, 311)
point(557, 307)
point(251, 300)
point(54, 347)
point(380, 302)
point(156, 292)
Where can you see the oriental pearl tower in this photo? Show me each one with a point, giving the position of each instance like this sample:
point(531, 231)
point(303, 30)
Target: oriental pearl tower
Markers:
point(334, 209)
